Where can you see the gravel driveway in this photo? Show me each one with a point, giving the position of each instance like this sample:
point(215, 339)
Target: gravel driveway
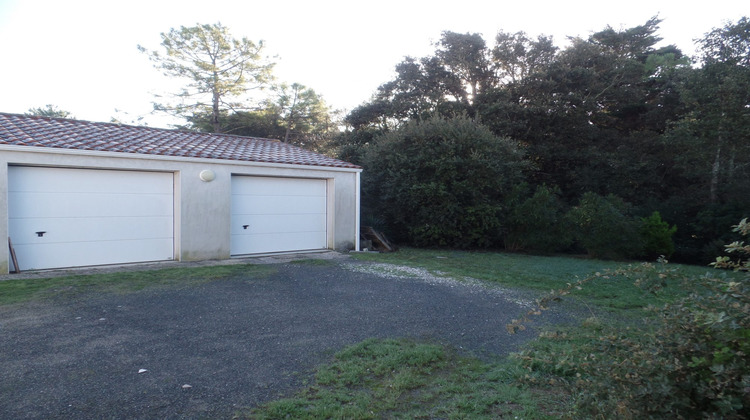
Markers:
point(208, 351)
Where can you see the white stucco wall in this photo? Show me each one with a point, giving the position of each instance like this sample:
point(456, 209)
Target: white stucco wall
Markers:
point(202, 209)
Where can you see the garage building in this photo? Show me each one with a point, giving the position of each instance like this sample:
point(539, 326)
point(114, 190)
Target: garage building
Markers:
point(77, 193)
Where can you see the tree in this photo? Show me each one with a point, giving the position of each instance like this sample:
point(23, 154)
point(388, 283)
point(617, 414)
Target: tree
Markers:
point(657, 237)
point(718, 120)
point(421, 87)
point(590, 114)
point(296, 114)
point(218, 69)
point(304, 114)
point(51, 111)
point(466, 57)
point(516, 56)
point(264, 123)
point(446, 83)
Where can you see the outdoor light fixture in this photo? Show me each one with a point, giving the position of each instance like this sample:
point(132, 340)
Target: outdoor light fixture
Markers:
point(207, 175)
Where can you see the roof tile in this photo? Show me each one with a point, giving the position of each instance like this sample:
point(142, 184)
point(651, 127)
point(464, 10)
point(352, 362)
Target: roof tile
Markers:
point(26, 130)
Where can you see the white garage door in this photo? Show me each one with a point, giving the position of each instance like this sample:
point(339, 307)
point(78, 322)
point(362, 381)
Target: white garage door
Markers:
point(78, 217)
point(277, 215)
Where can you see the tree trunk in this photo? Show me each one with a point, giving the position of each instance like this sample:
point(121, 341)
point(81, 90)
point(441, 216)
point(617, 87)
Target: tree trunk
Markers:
point(714, 186)
point(290, 117)
point(215, 105)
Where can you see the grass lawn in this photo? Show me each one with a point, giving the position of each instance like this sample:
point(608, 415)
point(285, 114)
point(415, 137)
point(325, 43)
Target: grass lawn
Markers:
point(404, 379)
point(22, 290)
point(542, 273)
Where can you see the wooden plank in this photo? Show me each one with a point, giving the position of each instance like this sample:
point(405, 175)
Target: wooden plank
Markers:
point(13, 256)
point(378, 239)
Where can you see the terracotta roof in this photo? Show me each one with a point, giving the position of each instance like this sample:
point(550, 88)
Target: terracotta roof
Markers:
point(24, 130)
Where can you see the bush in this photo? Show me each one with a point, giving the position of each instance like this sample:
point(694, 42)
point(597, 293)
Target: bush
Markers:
point(537, 223)
point(737, 248)
point(693, 364)
point(657, 237)
point(703, 229)
point(604, 227)
point(688, 360)
point(441, 182)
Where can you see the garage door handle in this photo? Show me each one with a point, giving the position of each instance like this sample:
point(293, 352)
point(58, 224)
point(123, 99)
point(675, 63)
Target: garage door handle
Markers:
point(40, 234)
point(245, 227)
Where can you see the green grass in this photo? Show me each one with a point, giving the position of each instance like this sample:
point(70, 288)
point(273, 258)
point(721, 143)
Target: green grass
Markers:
point(23, 290)
point(406, 379)
point(544, 274)
point(403, 379)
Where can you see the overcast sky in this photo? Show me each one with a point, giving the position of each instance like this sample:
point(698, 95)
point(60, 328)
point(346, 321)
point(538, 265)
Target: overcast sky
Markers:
point(81, 55)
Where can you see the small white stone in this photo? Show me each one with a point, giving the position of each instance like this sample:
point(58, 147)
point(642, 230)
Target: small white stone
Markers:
point(142, 371)
point(187, 386)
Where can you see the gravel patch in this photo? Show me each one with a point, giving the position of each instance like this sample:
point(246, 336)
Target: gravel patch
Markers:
point(393, 271)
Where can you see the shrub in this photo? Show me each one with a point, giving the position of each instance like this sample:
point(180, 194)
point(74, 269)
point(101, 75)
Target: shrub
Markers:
point(537, 223)
point(441, 182)
point(604, 227)
point(738, 248)
point(657, 236)
point(693, 364)
point(703, 230)
point(688, 360)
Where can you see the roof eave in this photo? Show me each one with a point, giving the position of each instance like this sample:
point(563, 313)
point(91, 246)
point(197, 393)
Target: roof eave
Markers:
point(158, 157)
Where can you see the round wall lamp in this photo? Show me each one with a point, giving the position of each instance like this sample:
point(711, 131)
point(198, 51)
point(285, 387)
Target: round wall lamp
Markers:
point(207, 175)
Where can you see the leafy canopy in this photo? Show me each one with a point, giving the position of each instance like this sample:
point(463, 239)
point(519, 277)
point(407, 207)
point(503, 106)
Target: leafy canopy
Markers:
point(218, 70)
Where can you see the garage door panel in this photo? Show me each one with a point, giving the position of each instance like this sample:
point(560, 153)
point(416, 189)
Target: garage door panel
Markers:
point(23, 231)
point(281, 214)
point(86, 180)
point(282, 223)
point(264, 186)
point(58, 255)
point(262, 205)
point(90, 217)
point(80, 204)
point(276, 242)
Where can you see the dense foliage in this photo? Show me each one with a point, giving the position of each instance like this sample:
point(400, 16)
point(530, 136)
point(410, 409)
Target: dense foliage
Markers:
point(604, 227)
point(614, 115)
point(537, 222)
point(441, 182)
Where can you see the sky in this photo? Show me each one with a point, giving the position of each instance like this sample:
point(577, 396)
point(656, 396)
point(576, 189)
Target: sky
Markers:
point(81, 56)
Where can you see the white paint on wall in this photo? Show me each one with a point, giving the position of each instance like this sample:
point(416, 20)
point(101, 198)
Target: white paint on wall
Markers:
point(202, 210)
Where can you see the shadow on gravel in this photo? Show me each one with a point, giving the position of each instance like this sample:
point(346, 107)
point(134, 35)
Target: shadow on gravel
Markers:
point(215, 348)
